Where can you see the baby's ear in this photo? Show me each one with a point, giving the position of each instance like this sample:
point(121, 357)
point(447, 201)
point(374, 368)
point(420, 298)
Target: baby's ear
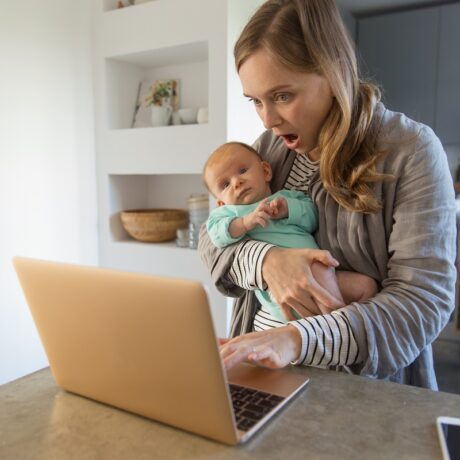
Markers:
point(267, 171)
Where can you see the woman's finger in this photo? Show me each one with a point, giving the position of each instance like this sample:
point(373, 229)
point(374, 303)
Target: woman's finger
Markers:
point(307, 307)
point(274, 348)
point(237, 354)
point(321, 295)
point(324, 257)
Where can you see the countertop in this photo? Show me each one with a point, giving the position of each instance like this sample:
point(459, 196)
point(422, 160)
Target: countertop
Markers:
point(339, 416)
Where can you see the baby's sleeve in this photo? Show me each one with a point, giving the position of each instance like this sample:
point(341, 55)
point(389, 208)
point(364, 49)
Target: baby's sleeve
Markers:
point(218, 225)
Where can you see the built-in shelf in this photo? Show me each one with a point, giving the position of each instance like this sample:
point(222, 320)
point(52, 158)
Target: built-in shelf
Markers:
point(160, 167)
point(148, 191)
point(186, 63)
point(169, 246)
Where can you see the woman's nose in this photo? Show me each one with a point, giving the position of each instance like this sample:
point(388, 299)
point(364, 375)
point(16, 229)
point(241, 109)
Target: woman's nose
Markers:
point(270, 117)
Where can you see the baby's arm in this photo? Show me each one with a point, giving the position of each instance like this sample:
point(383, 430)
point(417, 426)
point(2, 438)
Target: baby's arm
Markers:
point(356, 287)
point(260, 216)
point(346, 286)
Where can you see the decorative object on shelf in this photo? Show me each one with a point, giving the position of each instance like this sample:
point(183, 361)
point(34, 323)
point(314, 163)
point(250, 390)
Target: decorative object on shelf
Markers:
point(123, 3)
point(202, 116)
point(153, 225)
point(182, 238)
point(198, 211)
point(188, 116)
point(156, 93)
point(161, 115)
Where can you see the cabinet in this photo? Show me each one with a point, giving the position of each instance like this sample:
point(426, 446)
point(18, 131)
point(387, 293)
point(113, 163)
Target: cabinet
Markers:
point(161, 166)
point(399, 51)
point(415, 56)
point(448, 90)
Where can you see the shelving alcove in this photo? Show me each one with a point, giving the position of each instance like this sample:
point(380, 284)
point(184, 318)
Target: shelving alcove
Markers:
point(161, 166)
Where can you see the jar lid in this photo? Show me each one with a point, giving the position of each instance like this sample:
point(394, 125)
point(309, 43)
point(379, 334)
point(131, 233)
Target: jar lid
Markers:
point(198, 201)
point(198, 197)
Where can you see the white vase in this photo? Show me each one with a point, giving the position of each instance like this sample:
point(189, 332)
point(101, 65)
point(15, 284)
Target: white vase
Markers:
point(161, 115)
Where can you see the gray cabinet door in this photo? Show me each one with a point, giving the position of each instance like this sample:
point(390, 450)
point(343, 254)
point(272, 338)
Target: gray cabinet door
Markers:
point(400, 51)
point(448, 104)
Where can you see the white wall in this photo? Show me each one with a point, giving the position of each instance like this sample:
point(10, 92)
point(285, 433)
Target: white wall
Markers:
point(243, 123)
point(47, 172)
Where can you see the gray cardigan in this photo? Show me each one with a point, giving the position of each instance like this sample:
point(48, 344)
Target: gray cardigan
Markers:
point(408, 247)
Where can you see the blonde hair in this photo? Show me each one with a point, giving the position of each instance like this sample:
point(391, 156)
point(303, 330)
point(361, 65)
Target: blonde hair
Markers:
point(309, 36)
point(221, 152)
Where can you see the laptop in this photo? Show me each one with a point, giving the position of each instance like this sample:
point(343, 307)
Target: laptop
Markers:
point(146, 344)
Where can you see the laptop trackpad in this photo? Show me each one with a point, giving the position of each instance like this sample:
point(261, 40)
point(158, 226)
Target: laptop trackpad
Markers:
point(281, 382)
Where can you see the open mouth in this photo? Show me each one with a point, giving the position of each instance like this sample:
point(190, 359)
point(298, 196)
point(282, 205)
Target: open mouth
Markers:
point(292, 141)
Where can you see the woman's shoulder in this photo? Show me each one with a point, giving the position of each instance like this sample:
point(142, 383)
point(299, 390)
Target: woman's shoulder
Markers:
point(401, 137)
point(270, 146)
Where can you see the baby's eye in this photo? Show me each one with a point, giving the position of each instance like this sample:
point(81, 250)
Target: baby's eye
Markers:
point(243, 170)
point(224, 185)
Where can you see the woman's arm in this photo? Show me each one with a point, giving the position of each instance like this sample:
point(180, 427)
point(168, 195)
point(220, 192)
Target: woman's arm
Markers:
point(235, 268)
point(390, 331)
point(417, 295)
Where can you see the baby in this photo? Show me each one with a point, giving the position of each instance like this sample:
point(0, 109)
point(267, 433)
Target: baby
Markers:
point(240, 181)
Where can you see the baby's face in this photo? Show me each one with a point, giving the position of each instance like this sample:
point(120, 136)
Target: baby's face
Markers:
point(239, 177)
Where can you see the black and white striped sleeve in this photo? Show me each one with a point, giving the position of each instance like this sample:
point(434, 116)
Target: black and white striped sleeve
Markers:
point(327, 340)
point(246, 270)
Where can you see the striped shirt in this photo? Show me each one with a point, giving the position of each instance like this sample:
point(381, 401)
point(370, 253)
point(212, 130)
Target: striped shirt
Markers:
point(327, 340)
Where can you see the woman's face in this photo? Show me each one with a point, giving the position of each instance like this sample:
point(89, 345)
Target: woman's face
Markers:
point(294, 105)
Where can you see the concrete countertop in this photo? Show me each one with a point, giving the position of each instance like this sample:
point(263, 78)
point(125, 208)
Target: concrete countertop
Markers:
point(339, 416)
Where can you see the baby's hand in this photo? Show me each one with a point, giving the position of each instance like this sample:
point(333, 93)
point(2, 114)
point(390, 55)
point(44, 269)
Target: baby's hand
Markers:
point(279, 208)
point(260, 216)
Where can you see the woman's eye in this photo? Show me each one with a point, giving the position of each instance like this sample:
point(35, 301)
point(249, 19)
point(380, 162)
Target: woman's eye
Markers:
point(283, 97)
point(254, 101)
point(243, 170)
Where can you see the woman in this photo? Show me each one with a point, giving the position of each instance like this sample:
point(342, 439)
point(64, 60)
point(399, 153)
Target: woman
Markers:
point(385, 201)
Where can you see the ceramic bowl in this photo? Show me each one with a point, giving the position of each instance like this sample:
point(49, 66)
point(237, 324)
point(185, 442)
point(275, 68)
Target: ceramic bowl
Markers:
point(188, 116)
point(154, 225)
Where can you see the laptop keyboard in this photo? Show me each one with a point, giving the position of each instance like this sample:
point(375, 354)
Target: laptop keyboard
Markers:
point(251, 405)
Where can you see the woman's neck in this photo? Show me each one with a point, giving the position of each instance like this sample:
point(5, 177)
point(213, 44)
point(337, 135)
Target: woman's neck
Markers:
point(314, 154)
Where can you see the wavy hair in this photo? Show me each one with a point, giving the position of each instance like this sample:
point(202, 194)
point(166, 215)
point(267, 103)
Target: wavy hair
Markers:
point(309, 36)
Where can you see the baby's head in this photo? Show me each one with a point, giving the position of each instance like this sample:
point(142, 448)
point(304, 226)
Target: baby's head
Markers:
point(235, 174)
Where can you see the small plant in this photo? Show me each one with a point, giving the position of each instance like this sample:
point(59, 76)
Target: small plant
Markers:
point(161, 93)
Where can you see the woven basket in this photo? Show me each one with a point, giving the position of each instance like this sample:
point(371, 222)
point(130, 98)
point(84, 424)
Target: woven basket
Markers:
point(153, 225)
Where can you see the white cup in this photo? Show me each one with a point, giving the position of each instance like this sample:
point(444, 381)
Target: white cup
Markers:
point(161, 115)
point(202, 116)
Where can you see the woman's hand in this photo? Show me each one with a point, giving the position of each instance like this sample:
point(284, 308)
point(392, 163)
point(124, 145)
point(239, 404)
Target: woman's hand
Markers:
point(273, 348)
point(289, 277)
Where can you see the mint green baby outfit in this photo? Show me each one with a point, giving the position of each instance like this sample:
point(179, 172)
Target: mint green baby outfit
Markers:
point(295, 231)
